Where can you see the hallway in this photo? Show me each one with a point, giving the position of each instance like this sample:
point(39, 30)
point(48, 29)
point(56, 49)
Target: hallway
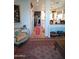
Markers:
point(41, 35)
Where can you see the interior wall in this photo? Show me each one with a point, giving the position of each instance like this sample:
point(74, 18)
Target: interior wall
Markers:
point(18, 25)
point(47, 18)
point(43, 19)
point(25, 14)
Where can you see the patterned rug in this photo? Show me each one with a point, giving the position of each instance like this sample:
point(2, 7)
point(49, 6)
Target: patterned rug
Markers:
point(44, 49)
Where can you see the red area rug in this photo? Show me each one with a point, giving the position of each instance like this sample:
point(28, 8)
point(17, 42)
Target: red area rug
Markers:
point(44, 49)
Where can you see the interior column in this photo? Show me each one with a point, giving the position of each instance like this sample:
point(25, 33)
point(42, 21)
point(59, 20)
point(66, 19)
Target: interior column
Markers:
point(47, 18)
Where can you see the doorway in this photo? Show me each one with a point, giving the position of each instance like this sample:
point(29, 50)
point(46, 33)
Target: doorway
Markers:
point(38, 23)
point(37, 18)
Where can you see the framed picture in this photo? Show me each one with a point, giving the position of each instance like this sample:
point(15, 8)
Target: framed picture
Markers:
point(16, 13)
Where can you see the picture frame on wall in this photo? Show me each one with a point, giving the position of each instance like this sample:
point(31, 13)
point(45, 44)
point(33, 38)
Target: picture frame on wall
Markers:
point(16, 13)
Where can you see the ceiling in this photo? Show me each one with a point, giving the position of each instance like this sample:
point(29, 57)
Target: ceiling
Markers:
point(38, 6)
point(57, 4)
point(54, 4)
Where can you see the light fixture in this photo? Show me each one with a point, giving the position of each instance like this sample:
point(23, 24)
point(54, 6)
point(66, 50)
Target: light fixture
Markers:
point(37, 0)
